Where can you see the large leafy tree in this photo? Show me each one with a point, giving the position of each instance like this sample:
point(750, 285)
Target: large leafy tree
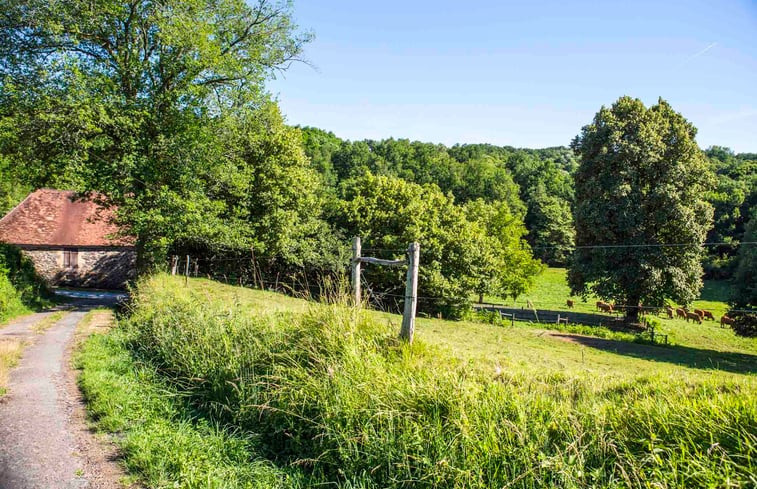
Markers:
point(120, 98)
point(640, 186)
point(477, 248)
point(274, 190)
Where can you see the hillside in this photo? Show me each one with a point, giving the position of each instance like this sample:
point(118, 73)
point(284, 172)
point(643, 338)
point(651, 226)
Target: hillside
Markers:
point(314, 397)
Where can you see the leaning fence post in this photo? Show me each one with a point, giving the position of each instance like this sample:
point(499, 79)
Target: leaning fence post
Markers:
point(411, 293)
point(356, 249)
point(174, 264)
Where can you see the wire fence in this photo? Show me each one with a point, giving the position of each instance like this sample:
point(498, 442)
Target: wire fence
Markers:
point(309, 282)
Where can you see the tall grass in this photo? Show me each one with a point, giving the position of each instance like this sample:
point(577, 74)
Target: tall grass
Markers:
point(333, 397)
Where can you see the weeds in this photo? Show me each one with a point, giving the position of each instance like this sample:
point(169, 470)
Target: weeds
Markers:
point(10, 352)
point(46, 323)
point(21, 289)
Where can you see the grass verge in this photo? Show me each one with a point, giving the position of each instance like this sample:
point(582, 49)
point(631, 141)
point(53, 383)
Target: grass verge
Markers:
point(162, 441)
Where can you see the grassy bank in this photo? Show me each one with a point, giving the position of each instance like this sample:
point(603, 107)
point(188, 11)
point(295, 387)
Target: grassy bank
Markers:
point(273, 389)
point(21, 290)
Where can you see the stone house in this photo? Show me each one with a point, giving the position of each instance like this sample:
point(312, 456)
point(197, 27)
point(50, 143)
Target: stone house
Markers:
point(71, 242)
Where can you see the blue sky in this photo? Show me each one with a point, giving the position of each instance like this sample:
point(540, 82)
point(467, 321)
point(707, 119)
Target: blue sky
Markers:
point(526, 74)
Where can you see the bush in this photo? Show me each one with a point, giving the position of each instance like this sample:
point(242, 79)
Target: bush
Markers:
point(744, 324)
point(21, 289)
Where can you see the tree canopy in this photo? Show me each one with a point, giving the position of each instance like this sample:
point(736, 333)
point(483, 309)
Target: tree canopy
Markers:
point(745, 277)
point(734, 194)
point(477, 247)
point(640, 186)
point(123, 98)
point(534, 184)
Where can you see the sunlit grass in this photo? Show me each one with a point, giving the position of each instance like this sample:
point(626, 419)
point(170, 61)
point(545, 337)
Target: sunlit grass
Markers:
point(317, 398)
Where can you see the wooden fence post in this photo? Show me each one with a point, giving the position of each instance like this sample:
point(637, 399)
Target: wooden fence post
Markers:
point(186, 272)
point(174, 264)
point(356, 249)
point(411, 293)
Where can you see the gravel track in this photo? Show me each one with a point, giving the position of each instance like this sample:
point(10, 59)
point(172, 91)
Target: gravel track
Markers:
point(44, 439)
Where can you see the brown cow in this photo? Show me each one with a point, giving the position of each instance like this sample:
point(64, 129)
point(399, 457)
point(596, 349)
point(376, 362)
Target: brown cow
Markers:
point(605, 307)
point(700, 312)
point(694, 317)
point(708, 315)
point(680, 313)
point(669, 310)
point(571, 304)
point(726, 320)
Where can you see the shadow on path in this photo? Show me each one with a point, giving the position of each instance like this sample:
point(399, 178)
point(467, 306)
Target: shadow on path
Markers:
point(90, 297)
point(742, 363)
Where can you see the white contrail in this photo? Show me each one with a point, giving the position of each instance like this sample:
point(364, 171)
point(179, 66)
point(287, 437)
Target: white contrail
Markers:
point(698, 54)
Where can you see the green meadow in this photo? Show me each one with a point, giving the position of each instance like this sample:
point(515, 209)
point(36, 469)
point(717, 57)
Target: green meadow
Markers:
point(210, 385)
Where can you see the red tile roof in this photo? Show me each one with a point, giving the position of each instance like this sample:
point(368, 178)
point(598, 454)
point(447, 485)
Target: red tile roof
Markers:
point(53, 218)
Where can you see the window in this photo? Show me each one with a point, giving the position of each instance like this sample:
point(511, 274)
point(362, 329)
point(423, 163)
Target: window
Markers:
point(70, 259)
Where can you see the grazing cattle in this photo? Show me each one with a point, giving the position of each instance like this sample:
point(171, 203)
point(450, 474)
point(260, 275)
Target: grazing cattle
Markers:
point(694, 317)
point(571, 304)
point(708, 315)
point(669, 310)
point(605, 307)
point(700, 312)
point(599, 305)
point(726, 320)
point(680, 313)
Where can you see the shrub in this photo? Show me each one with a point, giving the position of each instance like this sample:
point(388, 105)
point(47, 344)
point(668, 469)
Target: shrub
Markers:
point(21, 289)
point(744, 324)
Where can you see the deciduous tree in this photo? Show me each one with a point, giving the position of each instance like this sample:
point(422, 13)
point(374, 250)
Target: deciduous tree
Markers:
point(745, 277)
point(123, 95)
point(477, 248)
point(640, 187)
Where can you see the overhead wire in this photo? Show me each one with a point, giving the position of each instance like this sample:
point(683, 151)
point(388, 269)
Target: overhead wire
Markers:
point(644, 245)
point(247, 277)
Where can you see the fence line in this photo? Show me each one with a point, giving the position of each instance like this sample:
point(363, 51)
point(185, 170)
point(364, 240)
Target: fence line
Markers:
point(252, 276)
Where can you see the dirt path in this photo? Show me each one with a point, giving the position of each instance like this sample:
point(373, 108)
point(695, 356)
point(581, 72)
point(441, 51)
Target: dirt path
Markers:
point(44, 439)
point(22, 327)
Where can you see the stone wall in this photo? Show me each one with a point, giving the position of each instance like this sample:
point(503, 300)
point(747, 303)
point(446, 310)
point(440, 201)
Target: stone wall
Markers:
point(101, 268)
